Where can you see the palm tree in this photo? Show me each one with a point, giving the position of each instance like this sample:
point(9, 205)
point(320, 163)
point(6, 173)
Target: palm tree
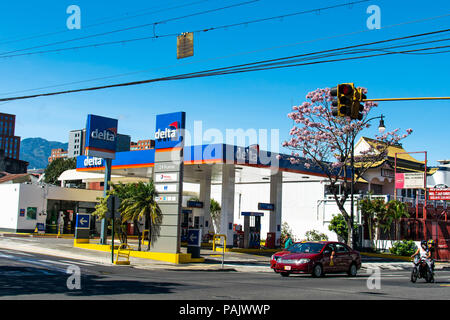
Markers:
point(396, 210)
point(371, 209)
point(215, 209)
point(140, 203)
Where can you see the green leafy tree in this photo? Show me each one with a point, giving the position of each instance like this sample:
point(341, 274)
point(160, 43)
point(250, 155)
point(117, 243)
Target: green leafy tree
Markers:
point(403, 248)
point(56, 168)
point(395, 211)
point(286, 231)
point(139, 204)
point(339, 226)
point(370, 210)
point(314, 235)
point(215, 210)
point(137, 201)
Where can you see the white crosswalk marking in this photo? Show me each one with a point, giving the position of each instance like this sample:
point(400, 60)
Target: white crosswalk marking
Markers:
point(80, 263)
point(56, 262)
point(18, 252)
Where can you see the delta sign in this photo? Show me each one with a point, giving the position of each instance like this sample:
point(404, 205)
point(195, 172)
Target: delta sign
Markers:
point(170, 130)
point(101, 137)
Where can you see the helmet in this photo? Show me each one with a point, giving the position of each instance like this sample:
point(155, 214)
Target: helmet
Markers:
point(423, 243)
point(431, 243)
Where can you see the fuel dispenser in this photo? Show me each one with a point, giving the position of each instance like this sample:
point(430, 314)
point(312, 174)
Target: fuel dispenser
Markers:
point(252, 229)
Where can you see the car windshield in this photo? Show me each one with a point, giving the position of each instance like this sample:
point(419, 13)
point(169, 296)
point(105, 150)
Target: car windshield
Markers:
point(306, 248)
point(294, 246)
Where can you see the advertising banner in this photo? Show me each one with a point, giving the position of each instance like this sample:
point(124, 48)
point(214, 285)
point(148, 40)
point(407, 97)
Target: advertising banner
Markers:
point(101, 137)
point(169, 130)
point(413, 180)
point(439, 194)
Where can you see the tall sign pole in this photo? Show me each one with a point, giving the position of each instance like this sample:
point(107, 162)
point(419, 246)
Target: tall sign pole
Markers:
point(168, 178)
point(104, 227)
point(101, 141)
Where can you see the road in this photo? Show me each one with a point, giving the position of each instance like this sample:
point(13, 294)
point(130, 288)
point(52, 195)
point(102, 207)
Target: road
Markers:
point(36, 276)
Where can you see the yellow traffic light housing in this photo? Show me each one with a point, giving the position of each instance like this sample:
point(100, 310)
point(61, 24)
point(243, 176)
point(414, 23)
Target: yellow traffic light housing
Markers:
point(342, 104)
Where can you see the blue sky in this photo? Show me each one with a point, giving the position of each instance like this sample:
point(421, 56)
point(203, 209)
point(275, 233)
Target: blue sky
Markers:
point(259, 100)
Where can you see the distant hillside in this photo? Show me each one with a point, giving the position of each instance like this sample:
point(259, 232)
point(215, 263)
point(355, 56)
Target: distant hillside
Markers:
point(37, 150)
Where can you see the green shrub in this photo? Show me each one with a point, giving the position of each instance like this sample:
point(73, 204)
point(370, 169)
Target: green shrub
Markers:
point(314, 235)
point(403, 248)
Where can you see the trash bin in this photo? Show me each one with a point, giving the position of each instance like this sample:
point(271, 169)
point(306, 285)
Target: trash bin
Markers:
point(270, 240)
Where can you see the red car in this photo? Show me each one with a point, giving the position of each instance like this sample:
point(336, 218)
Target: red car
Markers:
point(278, 255)
point(318, 258)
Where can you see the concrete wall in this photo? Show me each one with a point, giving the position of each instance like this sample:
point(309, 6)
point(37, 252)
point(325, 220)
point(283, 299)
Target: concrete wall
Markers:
point(31, 196)
point(14, 197)
point(9, 208)
point(301, 206)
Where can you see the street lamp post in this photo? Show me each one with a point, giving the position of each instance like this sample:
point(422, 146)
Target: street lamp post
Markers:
point(381, 128)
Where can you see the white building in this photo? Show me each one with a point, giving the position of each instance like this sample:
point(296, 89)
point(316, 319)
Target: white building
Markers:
point(24, 206)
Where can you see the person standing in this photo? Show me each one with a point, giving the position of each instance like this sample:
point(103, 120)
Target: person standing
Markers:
point(287, 242)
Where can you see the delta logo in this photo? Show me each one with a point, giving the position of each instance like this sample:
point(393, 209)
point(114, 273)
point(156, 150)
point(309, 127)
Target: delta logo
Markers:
point(169, 133)
point(107, 134)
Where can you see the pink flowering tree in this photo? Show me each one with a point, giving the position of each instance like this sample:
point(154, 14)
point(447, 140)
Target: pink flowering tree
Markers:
point(321, 140)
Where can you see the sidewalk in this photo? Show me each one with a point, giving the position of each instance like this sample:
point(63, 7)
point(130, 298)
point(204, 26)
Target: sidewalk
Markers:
point(233, 261)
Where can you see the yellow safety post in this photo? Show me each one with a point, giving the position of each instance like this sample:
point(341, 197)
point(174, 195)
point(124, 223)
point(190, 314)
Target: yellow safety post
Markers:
point(144, 233)
point(224, 241)
point(224, 244)
point(123, 252)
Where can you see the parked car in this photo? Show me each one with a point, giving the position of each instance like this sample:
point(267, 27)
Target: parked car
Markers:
point(278, 255)
point(319, 258)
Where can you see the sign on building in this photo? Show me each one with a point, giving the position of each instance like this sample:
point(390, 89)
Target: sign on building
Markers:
point(410, 180)
point(101, 137)
point(439, 194)
point(168, 178)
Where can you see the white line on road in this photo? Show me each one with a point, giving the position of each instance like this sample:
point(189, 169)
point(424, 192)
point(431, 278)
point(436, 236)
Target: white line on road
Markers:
point(17, 252)
point(80, 263)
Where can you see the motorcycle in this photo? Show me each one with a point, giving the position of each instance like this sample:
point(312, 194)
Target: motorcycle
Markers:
point(421, 271)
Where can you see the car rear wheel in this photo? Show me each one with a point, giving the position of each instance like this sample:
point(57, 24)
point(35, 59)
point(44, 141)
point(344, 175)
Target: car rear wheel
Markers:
point(353, 270)
point(285, 274)
point(317, 271)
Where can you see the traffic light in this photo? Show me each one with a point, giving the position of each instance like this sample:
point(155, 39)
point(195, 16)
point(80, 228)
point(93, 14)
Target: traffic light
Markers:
point(342, 104)
point(357, 107)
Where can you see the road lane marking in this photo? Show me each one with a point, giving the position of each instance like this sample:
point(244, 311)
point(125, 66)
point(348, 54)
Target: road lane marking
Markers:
point(80, 263)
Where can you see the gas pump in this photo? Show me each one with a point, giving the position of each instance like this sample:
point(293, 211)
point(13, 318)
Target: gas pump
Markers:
point(252, 229)
point(185, 215)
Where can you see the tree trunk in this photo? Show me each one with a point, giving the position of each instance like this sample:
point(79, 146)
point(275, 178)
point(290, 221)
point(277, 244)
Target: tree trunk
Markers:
point(349, 236)
point(136, 225)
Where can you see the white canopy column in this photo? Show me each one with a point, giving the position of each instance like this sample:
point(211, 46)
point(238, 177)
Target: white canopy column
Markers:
point(227, 205)
point(276, 192)
point(205, 196)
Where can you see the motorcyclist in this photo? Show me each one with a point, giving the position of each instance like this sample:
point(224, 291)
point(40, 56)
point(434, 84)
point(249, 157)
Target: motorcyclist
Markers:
point(430, 245)
point(424, 253)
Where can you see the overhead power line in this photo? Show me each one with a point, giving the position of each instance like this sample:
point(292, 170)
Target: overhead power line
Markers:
point(104, 21)
point(146, 25)
point(283, 62)
point(125, 41)
point(228, 56)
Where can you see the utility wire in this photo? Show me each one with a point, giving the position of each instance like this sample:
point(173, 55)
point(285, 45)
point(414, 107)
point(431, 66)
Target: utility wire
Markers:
point(102, 22)
point(248, 67)
point(130, 28)
point(228, 56)
point(123, 41)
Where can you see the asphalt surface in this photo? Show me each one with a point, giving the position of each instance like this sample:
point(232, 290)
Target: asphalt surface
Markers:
point(25, 275)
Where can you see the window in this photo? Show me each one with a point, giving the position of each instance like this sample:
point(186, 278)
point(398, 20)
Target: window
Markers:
point(31, 213)
point(341, 248)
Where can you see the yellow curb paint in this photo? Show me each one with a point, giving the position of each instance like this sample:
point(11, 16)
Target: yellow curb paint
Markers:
point(388, 256)
point(176, 258)
point(77, 241)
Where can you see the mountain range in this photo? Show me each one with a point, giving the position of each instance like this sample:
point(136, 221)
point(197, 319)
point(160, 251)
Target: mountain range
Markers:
point(37, 150)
